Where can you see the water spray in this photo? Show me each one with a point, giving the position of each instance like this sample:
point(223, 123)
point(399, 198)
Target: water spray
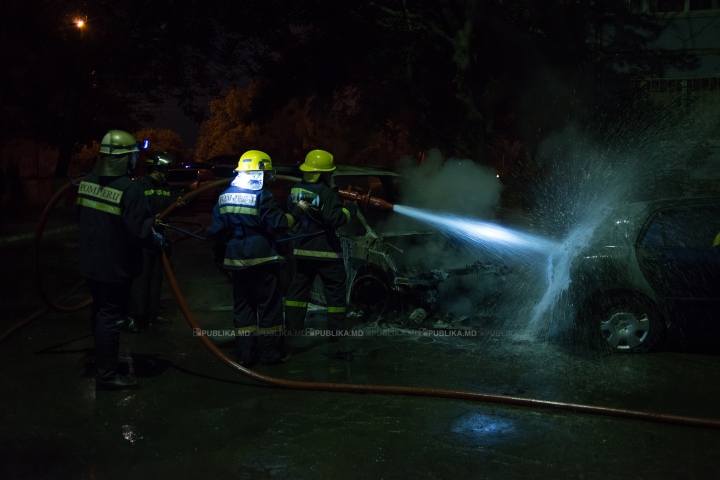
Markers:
point(469, 230)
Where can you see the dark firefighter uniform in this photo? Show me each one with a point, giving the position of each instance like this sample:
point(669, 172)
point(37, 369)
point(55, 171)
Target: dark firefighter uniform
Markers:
point(253, 216)
point(144, 304)
point(322, 254)
point(115, 223)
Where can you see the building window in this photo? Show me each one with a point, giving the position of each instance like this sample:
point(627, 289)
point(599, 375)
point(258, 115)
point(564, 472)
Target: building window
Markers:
point(672, 6)
point(699, 97)
point(703, 5)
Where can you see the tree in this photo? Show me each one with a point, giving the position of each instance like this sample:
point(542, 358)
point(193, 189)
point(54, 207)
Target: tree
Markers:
point(292, 131)
point(465, 75)
point(66, 85)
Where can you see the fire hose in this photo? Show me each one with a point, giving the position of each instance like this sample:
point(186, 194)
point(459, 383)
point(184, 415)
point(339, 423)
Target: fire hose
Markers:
point(353, 388)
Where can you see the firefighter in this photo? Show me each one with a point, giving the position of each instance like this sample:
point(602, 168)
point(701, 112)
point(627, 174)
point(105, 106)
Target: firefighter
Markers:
point(144, 304)
point(250, 212)
point(320, 254)
point(115, 224)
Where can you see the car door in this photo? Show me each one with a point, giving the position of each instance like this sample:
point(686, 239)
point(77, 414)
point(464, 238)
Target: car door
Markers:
point(677, 255)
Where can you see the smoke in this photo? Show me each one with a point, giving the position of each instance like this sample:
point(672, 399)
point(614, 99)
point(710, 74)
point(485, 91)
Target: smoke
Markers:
point(460, 186)
point(457, 186)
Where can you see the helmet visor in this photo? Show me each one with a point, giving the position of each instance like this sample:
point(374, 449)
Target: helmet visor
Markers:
point(252, 180)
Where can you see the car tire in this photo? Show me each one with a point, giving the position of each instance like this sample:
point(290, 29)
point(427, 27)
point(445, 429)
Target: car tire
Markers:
point(370, 294)
point(627, 324)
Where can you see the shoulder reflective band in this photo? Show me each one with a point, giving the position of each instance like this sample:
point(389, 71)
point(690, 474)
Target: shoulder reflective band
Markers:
point(165, 193)
point(243, 210)
point(296, 304)
point(336, 309)
point(100, 198)
point(307, 195)
point(347, 214)
point(251, 261)
point(717, 241)
point(316, 254)
point(269, 330)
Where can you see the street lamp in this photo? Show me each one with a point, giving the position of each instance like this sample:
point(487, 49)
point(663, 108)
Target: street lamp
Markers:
point(79, 23)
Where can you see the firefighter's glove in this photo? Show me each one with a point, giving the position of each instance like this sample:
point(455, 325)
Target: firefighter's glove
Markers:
point(300, 208)
point(352, 208)
point(158, 241)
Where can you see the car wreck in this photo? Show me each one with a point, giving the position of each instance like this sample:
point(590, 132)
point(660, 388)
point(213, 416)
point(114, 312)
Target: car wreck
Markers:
point(384, 269)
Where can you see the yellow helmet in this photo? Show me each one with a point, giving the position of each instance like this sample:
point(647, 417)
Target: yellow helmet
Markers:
point(254, 160)
point(318, 161)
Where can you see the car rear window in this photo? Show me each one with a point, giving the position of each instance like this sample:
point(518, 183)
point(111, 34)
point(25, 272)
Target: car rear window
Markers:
point(687, 227)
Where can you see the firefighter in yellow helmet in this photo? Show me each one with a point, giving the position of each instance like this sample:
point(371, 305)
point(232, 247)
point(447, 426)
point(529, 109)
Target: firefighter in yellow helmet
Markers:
point(253, 217)
point(115, 224)
point(320, 254)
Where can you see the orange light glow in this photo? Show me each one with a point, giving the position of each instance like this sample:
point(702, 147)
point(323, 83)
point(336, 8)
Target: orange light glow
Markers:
point(79, 23)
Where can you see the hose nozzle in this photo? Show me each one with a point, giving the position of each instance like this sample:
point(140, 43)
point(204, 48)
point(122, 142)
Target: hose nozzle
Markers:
point(366, 200)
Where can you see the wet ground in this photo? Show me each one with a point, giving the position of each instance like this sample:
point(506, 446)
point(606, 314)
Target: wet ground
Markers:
point(193, 417)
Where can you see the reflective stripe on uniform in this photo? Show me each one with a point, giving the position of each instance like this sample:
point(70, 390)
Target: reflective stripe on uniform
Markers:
point(347, 214)
point(245, 210)
point(85, 202)
point(265, 331)
point(250, 329)
point(316, 254)
point(336, 309)
point(251, 261)
point(295, 192)
point(295, 303)
point(290, 219)
point(165, 193)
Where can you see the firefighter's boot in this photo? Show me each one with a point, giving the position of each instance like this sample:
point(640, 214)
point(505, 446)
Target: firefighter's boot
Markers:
point(107, 370)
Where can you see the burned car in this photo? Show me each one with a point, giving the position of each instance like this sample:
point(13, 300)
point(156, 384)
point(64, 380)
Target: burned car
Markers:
point(386, 259)
point(650, 266)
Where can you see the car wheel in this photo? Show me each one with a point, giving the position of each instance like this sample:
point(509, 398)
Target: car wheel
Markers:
point(629, 324)
point(371, 294)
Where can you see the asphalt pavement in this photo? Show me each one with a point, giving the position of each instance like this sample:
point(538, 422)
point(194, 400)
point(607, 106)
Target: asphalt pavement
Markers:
point(193, 417)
